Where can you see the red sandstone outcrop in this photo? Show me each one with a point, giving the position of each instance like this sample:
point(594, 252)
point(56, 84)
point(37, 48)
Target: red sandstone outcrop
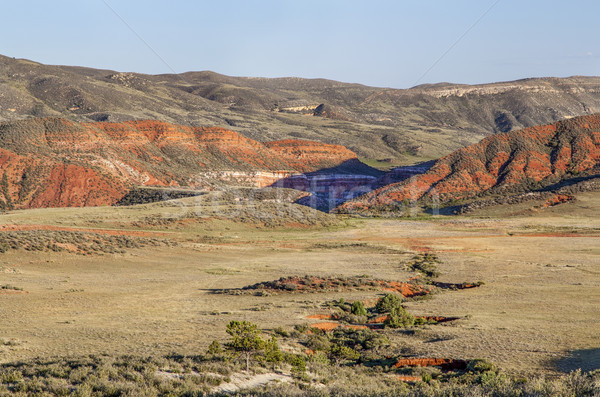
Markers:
point(55, 162)
point(514, 161)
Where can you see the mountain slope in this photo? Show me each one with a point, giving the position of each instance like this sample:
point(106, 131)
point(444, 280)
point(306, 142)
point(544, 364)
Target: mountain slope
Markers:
point(54, 162)
point(406, 126)
point(517, 161)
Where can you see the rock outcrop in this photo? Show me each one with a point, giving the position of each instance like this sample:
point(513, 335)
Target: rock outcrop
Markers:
point(513, 162)
point(54, 162)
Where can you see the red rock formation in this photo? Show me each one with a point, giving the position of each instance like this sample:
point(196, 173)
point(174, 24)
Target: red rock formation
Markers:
point(501, 163)
point(55, 162)
point(558, 199)
point(307, 156)
point(40, 182)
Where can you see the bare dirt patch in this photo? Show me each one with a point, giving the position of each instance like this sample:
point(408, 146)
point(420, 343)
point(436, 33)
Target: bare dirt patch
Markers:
point(240, 381)
point(445, 364)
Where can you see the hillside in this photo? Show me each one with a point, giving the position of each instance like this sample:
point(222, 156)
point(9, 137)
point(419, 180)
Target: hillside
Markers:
point(514, 162)
point(54, 162)
point(394, 126)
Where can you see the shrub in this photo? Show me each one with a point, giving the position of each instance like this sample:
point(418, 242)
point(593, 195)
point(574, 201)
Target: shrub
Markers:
point(350, 318)
point(359, 338)
point(426, 377)
point(10, 287)
point(340, 353)
point(388, 302)
point(399, 318)
point(281, 332)
point(423, 321)
point(358, 309)
point(298, 365)
point(319, 357)
point(481, 365)
point(425, 264)
point(318, 342)
point(4, 247)
point(11, 377)
point(214, 348)
point(272, 353)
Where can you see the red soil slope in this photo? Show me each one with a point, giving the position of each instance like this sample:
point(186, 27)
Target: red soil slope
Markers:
point(55, 162)
point(511, 162)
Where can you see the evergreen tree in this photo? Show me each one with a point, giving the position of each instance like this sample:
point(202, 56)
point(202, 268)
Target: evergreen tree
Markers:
point(245, 339)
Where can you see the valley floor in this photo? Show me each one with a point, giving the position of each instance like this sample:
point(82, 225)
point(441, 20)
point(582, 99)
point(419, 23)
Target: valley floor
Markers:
point(537, 311)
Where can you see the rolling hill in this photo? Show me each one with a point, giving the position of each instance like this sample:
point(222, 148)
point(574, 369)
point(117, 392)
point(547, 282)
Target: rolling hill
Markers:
point(507, 163)
point(392, 126)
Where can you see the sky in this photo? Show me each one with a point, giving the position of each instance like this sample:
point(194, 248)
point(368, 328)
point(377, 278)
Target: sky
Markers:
point(382, 43)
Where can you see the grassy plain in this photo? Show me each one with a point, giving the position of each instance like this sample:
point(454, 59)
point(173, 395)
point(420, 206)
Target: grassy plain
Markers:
point(537, 311)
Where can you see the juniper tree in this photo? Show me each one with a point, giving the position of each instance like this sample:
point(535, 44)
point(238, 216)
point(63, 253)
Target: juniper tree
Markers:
point(245, 339)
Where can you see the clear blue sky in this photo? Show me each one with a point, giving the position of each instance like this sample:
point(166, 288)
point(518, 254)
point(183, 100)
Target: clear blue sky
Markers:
point(376, 42)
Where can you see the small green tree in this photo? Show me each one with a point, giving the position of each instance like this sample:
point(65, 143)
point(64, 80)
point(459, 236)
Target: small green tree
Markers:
point(272, 353)
point(388, 302)
point(358, 309)
point(214, 348)
point(4, 185)
point(399, 318)
point(245, 339)
point(298, 366)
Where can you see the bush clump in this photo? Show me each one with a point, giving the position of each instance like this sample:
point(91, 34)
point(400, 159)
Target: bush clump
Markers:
point(399, 318)
point(358, 309)
point(425, 264)
point(388, 302)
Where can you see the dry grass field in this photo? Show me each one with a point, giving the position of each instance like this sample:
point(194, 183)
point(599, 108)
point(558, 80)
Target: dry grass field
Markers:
point(538, 311)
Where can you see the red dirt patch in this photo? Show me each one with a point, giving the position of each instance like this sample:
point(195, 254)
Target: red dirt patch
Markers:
point(407, 290)
point(330, 326)
point(409, 379)
point(357, 326)
point(446, 364)
point(379, 319)
point(325, 326)
point(438, 319)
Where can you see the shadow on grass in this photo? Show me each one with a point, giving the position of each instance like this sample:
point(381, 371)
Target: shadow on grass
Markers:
point(586, 360)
